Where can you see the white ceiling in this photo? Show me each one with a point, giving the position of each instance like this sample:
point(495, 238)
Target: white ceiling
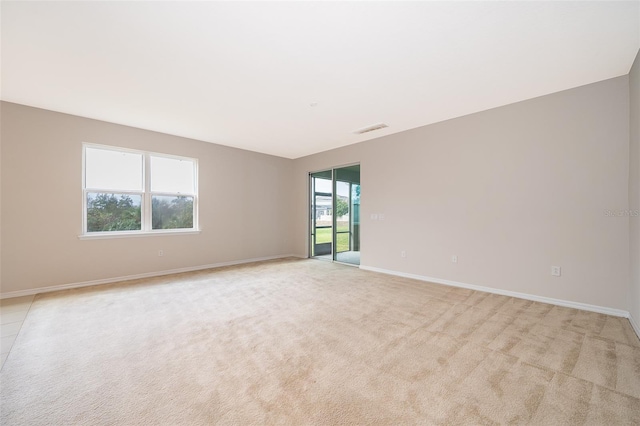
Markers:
point(245, 74)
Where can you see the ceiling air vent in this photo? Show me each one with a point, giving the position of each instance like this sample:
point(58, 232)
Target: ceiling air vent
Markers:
point(370, 128)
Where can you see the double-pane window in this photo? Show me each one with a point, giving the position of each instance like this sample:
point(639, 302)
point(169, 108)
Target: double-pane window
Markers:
point(127, 191)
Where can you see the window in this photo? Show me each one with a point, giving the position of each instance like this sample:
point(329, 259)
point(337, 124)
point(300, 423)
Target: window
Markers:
point(129, 192)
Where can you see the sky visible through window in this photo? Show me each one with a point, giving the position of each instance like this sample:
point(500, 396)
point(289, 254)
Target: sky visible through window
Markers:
point(113, 170)
point(171, 175)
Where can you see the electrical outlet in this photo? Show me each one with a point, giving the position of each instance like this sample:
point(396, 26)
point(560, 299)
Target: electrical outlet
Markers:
point(381, 216)
point(403, 253)
point(454, 259)
point(374, 216)
point(160, 253)
point(556, 271)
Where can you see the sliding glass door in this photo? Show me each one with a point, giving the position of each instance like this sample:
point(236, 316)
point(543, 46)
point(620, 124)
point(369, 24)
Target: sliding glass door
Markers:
point(335, 214)
point(321, 214)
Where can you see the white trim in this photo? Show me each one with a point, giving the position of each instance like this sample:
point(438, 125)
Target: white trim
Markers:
point(146, 220)
point(49, 289)
point(559, 302)
point(128, 234)
point(635, 325)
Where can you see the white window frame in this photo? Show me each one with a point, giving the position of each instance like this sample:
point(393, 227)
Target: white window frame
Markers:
point(146, 196)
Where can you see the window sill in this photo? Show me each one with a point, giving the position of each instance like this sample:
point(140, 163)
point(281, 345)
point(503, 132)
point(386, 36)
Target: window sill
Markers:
point(110, 235)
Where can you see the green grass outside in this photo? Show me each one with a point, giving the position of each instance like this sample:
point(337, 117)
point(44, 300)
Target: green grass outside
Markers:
point(323, 235)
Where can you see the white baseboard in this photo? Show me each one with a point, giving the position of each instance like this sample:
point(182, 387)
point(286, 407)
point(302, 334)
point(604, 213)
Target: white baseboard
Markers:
point(526, 296)
point(559, 302)
point(49, 289)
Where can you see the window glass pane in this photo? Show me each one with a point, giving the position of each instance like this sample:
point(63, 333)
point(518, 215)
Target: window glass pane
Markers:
point(323, 185)
point(113, 212)
point(168, 212)
point(113, 170)
point(172, 175)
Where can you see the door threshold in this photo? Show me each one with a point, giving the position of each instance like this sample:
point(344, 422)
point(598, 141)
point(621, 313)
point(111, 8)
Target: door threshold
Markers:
point(324, 259)
point(346, 264)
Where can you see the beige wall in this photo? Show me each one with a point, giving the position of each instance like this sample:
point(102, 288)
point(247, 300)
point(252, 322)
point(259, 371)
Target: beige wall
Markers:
point(510, 191)
point(634, 188)
point(243, 199)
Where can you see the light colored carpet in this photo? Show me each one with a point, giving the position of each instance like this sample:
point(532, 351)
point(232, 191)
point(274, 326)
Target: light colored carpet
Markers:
point(311, 342)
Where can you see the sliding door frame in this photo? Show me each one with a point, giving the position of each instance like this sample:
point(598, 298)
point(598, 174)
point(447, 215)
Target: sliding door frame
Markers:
point(311, 225)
